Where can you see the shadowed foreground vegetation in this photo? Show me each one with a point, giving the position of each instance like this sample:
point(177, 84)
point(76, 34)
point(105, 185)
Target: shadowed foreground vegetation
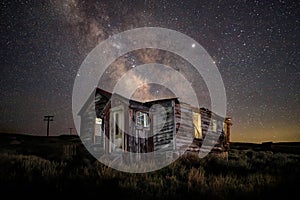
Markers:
point(247, 174)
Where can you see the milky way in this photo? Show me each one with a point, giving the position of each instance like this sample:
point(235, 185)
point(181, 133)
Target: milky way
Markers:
point(254, 45)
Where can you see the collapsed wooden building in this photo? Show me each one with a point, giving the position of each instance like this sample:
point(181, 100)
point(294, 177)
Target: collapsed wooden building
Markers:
point(112, 123)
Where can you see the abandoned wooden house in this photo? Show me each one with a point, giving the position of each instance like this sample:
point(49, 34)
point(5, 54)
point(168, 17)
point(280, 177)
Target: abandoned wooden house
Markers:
point(111, 123)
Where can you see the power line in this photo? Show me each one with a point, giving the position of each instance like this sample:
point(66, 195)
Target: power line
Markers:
point(70, 130)
point(48, 118)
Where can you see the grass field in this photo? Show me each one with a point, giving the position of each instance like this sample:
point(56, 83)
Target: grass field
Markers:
point(31, 165)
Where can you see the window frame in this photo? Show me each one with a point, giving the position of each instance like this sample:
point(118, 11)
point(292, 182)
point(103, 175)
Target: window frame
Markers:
point(142, 119)
point(198, 126)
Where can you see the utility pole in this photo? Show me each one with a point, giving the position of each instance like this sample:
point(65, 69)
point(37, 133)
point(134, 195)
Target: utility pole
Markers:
point(70, 131)
point(48, 118)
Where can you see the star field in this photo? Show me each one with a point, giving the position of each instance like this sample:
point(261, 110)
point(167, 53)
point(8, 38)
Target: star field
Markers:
point(253, 43)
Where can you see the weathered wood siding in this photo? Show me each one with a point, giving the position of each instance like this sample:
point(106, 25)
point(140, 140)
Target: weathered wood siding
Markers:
point(213, 134)
point(171, 128)
point(184, 127)
point(87, 126)
point(162, 126)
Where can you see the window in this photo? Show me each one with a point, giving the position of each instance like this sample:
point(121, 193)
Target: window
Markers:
point(213, 125)
point(116, 123)
point(116, 127)
point(142, 119)
point(197, 125)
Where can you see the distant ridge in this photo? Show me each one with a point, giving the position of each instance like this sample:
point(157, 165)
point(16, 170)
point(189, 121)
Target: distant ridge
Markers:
point(283, 147)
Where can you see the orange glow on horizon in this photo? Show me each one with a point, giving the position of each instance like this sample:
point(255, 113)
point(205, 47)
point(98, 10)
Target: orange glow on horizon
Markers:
point(265, 134)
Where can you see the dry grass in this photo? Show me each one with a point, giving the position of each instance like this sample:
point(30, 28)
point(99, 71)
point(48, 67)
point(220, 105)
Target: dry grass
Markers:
point(246, 174)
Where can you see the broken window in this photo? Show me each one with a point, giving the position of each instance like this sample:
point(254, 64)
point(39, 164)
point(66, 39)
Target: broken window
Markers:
point(197, 125)
point(142, 119)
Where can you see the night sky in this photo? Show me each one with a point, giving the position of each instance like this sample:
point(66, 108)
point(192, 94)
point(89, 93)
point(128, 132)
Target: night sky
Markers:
point(253, 43)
